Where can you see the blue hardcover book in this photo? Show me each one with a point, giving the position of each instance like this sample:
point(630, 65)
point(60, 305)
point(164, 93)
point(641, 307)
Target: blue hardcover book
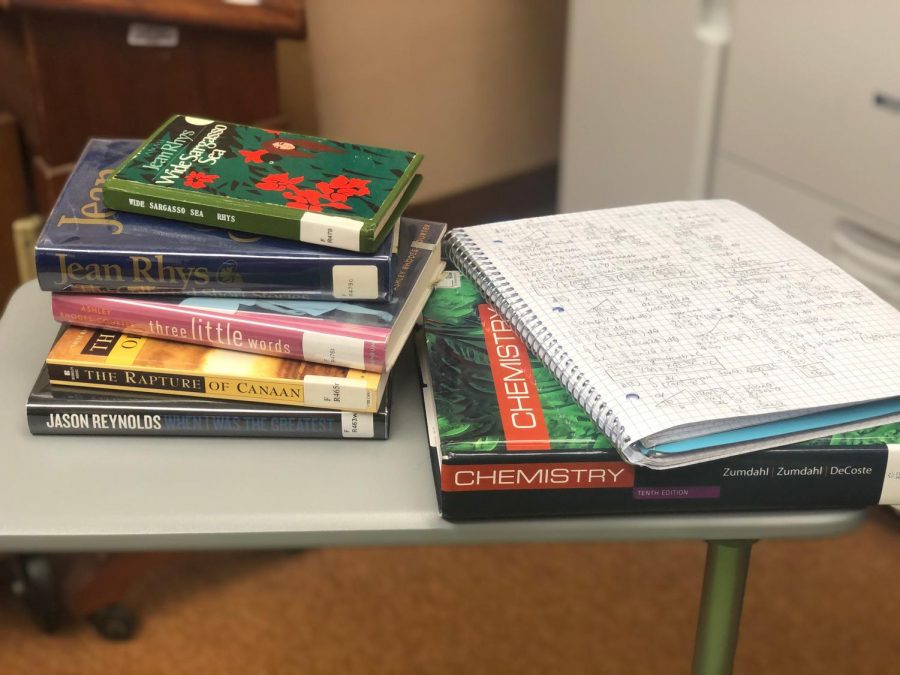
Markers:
point(85, 247)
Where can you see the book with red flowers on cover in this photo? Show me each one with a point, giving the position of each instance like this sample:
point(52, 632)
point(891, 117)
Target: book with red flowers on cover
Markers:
point(305, 188)
point(86, 247)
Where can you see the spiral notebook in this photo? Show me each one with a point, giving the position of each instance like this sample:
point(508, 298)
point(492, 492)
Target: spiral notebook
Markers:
point(690, 331)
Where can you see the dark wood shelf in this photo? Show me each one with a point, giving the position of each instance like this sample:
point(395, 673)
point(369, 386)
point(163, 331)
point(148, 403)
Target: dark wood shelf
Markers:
point(274, 17)
point(69, 72)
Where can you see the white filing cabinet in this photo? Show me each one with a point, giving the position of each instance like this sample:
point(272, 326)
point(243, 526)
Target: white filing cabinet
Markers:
point(865, 246)
point(790, 107)
point(810, 128)
point(640, 84)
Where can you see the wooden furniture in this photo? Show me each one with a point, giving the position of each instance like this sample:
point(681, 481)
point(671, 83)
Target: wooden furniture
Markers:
point(14, 202)
point(72, 70)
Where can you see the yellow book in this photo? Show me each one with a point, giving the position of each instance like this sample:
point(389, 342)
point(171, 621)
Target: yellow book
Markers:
point(104, 359)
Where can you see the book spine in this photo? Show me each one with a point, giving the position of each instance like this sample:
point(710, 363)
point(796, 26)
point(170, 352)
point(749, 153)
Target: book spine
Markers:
point(796, 478)
point(332, 393)
point(152, 421)
point(79, 271)
point(126, 196)
point(348, 234)
point(258, 333)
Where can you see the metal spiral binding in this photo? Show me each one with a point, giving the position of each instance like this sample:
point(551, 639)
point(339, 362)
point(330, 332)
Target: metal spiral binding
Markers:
point(469, 258)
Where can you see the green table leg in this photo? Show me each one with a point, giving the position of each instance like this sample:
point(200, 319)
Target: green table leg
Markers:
point(720, 606)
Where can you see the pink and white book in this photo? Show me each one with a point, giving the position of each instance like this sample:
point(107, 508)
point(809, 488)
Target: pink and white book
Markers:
point(365, 336)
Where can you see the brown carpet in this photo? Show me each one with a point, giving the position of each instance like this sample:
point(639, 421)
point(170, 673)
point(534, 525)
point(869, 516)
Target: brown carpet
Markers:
point(812, 606)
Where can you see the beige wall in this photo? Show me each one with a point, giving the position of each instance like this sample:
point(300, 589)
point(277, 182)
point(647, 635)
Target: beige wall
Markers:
point(473, 85)
point(295, 86)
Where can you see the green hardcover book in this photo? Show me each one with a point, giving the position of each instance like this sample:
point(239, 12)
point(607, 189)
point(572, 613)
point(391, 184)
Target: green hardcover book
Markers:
point(508, 440)
point(275, 183)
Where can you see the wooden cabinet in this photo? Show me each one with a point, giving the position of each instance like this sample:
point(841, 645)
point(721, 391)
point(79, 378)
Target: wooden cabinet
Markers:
point(13, 201)
point(72, 70)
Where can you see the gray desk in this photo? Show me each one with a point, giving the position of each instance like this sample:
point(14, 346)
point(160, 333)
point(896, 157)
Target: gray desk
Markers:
point(140, 493)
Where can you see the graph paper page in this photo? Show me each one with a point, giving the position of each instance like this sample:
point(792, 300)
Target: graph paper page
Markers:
point(684, 313)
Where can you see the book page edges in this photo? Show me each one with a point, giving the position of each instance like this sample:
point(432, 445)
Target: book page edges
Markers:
point(632, 452)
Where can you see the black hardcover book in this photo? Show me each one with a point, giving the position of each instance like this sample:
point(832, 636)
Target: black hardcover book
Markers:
point(94, 412)
point(507, 440)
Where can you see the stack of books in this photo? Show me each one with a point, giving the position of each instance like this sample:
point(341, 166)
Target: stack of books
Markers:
point(508, 440)
point(681, 356)
point(221, 279)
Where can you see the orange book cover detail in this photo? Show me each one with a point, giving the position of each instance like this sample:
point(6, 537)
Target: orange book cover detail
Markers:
point(87, 357)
